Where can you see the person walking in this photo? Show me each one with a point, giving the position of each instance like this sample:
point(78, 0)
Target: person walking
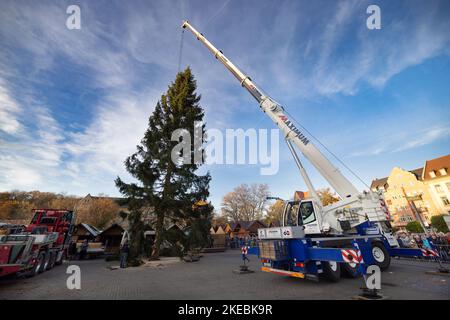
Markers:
point(72, 250)
point(83, 249)
point(124, 250)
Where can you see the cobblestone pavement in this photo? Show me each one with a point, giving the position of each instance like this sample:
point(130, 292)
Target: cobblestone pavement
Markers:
point(212, 278)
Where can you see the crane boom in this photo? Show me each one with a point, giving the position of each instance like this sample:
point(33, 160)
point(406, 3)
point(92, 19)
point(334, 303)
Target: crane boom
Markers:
point(275, 111)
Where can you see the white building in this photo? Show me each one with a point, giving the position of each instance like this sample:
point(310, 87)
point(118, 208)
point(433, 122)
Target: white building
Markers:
point(436, 176)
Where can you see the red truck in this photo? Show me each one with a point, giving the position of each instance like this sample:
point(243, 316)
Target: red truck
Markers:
point(40, 246)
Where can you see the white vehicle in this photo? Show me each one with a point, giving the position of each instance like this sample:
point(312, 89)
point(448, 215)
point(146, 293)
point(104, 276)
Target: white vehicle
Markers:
point(356, 215)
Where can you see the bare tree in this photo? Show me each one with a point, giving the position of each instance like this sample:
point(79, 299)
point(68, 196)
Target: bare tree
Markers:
point(246, 202)
point(230, 206)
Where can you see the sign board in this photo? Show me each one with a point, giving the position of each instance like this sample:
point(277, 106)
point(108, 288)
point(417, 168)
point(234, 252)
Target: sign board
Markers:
point(273, 233)
point(281, 233)
point(261, 233)
point(292, 232)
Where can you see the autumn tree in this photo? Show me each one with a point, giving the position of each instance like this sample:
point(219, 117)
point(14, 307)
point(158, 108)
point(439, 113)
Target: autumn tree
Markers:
point(97, 212)
point(19, 204)
point(65, 202)
point(275, 213)
point(327, 196)
point(170, 187)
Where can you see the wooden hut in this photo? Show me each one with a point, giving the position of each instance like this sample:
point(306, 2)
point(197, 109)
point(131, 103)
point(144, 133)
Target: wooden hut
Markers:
point(111, 238)
point(218, 238)
point(84, 231)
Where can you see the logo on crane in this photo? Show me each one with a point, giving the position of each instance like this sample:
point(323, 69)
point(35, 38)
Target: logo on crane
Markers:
point(291, 126)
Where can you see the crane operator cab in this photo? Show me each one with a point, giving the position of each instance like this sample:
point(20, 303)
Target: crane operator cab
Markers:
point(301, 213)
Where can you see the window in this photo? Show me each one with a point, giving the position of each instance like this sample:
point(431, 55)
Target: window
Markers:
point(290, 216)
point(443, 171)
point(438, 188)
point(307, 212)
point(448, 186)
point(445, 201)
point(432, 174)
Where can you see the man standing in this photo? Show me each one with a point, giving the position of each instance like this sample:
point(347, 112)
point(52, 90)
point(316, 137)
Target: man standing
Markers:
point(124, 254)
point(83, 249)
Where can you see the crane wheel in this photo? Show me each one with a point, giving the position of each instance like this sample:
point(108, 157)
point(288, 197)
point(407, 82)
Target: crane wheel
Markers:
point(350, 270)
point(38, 264)
point(331, 270)
point(46, 262)
point(381, 255)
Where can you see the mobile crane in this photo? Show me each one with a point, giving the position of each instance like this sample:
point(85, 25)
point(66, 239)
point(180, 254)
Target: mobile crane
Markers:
point(40, 246)
point(314, 238)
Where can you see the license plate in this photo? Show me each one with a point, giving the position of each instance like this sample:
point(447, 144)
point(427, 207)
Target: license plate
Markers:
point(266, 264)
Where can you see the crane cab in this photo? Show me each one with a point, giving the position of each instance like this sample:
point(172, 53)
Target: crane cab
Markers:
point(302, 213)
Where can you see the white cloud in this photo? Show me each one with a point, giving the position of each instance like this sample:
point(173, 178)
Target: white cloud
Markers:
point(112, 136)
point(9, 111)
point(425, 137)
point(392, 141)
point(16, 173)
point(123, 55)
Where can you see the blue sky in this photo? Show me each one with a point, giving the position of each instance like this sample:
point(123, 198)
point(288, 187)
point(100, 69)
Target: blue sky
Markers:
point(74, 103)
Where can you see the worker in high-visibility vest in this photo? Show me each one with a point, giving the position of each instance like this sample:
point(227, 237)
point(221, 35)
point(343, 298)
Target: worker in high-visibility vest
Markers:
point(244, 252)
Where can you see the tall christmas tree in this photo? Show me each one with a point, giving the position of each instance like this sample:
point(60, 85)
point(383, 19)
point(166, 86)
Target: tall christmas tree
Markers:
point(169, 188)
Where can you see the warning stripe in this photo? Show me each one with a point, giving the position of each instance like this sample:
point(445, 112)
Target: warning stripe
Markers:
point(351, 256)
point(283, 272)
point(429, 253)
point(360, 258)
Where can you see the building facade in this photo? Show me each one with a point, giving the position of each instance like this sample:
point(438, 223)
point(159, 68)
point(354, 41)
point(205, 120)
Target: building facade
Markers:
point(437, 178)
point(417, 194)
point(406, 196)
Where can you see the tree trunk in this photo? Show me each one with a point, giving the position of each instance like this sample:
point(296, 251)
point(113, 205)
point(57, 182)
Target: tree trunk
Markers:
point(160, 215)
point(158, 236)
point(136, 232)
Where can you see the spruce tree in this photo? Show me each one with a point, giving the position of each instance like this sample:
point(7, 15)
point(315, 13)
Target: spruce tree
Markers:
point(169, 189)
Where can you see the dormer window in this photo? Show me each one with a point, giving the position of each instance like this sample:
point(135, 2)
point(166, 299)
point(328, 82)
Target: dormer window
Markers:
point(443, 171)
point(432, 174)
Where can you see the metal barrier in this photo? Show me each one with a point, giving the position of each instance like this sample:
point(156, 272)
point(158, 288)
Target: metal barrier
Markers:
point(443, 251)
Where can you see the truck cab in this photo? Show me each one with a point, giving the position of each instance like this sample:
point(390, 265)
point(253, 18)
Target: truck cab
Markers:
point(302, 213)
point(50, 220)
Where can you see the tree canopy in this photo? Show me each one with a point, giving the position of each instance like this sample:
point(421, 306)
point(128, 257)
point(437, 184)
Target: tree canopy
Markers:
point(246, 202)
point(169, 187)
